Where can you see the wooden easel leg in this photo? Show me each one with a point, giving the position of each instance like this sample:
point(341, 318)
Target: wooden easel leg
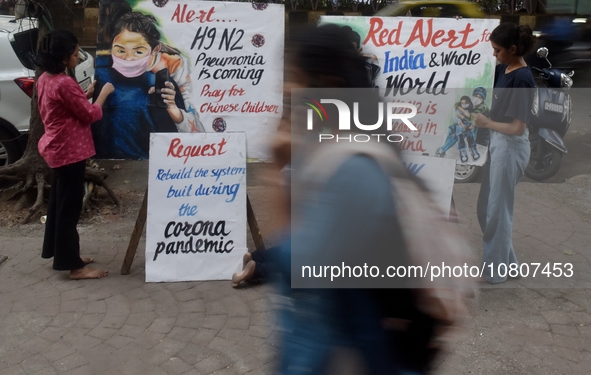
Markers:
point(140, 223)
point(254, 226)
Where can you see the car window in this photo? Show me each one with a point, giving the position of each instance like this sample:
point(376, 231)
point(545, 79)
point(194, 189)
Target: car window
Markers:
point(435, 10)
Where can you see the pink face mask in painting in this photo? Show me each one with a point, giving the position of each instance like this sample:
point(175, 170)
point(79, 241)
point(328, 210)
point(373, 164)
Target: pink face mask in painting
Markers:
point(131, 68)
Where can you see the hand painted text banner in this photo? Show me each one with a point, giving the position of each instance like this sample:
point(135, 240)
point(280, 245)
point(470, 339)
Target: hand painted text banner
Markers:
point(196, 226)
point(445, 67)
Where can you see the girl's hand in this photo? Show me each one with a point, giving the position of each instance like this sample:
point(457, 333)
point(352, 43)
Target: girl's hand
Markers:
point(90, 90)
point(107, 89)
point(481, 121)
point(169, 94)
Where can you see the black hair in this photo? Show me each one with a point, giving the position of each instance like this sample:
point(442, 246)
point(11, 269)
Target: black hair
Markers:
point(146, 26)
point(509, 34)
point(56, 47)
point(326, 54)
point(466, 98)
point(353, 35)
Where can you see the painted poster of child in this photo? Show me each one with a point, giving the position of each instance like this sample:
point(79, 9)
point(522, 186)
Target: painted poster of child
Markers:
point(460, 131)
point(478, 100)
point(137, 48)
point(153, 82)
point(463, 130)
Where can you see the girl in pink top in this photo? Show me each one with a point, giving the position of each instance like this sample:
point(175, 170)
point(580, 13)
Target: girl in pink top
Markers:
point(65, 146)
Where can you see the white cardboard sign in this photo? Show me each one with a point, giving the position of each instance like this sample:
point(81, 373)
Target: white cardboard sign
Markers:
point(196, 225)
point(437, 174)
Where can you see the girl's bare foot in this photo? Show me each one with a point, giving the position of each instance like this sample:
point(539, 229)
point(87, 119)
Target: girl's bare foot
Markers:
point(245, 259)
point(246, 274)
point(87, 273)
point(87, 260)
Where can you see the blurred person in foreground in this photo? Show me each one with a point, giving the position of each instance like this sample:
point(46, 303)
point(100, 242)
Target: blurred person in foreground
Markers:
point(350, 211)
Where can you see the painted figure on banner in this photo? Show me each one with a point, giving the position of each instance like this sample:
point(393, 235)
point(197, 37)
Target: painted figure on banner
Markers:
point(153, 82)
point(480, 106)
point(463, 128)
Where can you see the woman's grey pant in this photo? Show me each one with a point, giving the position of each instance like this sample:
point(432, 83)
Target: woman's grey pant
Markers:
point(507, 160)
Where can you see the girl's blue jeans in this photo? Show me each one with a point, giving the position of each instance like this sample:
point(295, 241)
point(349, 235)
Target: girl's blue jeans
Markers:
point(508, 158)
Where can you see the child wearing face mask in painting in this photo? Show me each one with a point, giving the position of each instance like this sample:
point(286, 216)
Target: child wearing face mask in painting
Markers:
point(461, 131)
point(137, 48)
point(138, 58)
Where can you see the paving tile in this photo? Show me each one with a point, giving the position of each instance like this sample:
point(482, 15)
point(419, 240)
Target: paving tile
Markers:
point(162, 325)
point(569, 342)
point(82, 370)
point(57, 351)
point(90, 321)
point(213, 363)
point(53, 333)
point(191, 320)
point(572, 355)
point(559, 364)
point(115, 322)
point(214, 321)
point(37, 364)
point(136, 367)
point(66, 319)
point(143, 305)
point(215, 308)
point(71, 362)
point(149, 339)
point(144, 319)
point(170, 346)
point(565, 330)
point(192, 306)
point(117, 306)
point(102, 332)
point(13, 370)
point(237, 322)
point(36, 344)
point(557, 317)
point(259, 331)
point(236, 306)
point(263, 318)
point(154, 357)
point(85, 343)
point(118, 341)
point(176, 365)
point(132, 331)
point(204, 336)
point(259, 305)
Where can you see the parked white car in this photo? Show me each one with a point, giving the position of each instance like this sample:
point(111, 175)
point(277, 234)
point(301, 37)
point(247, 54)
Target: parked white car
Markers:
point(16, 87)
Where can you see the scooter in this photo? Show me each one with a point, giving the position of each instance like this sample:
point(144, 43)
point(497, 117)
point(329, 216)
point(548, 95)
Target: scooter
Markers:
point(552, 113)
